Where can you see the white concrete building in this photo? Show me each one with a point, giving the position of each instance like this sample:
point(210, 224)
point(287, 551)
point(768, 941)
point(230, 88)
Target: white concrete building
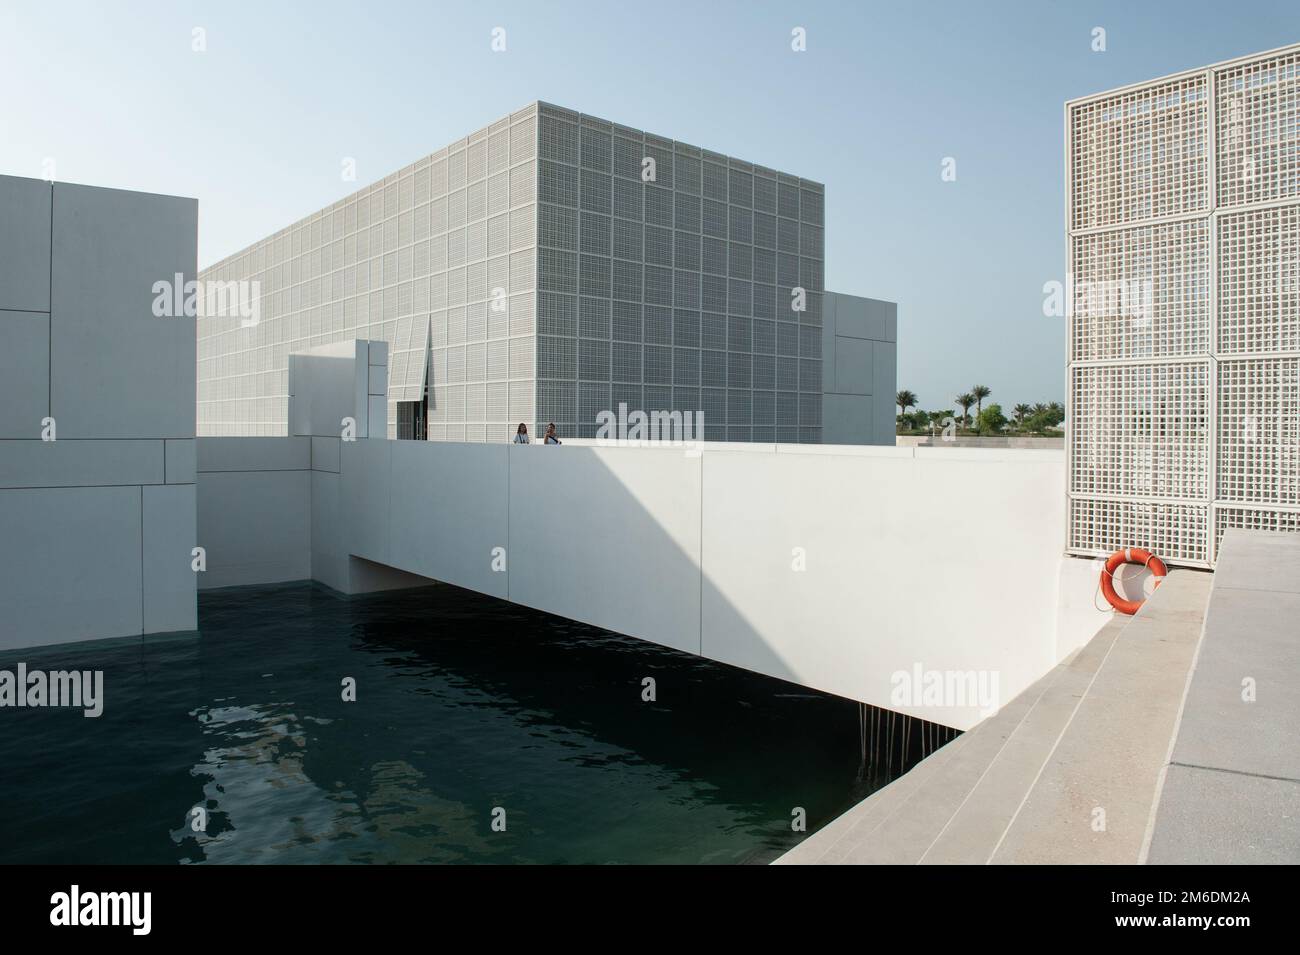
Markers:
point(97, 458)
point(553, 266)
point(1183, 238)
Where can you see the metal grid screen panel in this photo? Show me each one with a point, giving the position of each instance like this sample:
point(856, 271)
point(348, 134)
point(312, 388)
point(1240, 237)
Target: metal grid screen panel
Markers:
point(1176, 532)
point(407, 359)
point(1259, 280)
point(1141, 154)
point(1258, 136)
point(674, 259)
point(1276, 520)
point(1140, 430)
point(1141, 293)
point(1259, 431)
point(1184, 336)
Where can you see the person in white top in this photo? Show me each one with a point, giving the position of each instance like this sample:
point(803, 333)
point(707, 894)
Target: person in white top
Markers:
point(551, 437)
point(521, 434)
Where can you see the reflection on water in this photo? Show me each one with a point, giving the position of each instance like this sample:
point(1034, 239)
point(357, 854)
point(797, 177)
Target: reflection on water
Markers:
point(464, 703)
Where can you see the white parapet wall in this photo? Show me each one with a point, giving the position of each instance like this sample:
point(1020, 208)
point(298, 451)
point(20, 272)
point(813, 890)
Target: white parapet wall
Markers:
point(833, 567)
point(330, 385)
point(254, 510)
point(270, 511)
point(914, 560)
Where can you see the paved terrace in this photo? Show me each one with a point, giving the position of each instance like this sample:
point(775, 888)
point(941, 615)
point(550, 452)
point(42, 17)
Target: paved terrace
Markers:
point(1144, 729)
point(1231, 790)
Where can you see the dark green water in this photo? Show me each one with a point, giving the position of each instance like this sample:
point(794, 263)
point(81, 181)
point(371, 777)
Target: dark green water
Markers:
point(464, 703)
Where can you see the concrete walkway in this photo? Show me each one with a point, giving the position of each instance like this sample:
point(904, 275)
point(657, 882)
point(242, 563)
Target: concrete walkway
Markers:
point(1068, 772)
point(1231, 790)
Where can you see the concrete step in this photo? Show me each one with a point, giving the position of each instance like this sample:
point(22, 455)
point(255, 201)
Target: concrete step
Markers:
point(859, 827)
point(1032, 783)
point(975, 829)
point(830, 843)
point(910, 833)
point(1106, 766)
point(882, 804)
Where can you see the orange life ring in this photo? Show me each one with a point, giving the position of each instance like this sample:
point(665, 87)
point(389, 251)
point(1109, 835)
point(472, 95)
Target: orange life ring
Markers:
point(1129, 555)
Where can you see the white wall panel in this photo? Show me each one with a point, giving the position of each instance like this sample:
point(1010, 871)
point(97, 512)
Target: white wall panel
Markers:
point(448, 512)
point(170, 582)
point(24, 244)
point(260, 454)
point(73, 463)
point(366, 490)
point(181, 462)
point(899, 569)
point(24, 371)
point(329, 559)
point(609, 536)
point(255, 526)
point(69, 565)
point(119, 371)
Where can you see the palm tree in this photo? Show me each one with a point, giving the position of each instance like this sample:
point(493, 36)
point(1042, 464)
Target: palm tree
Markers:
point(965, 400)
point(980, 392)
point(905, 399)
point(1020, 413)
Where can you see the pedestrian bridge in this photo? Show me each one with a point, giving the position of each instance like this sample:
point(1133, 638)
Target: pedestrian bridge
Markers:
point(832, 567)
point(929, 581)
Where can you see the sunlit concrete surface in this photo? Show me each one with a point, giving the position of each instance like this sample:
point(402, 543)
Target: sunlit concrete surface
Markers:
point(708, 551)
point(1231, 792)
point(1067, 772)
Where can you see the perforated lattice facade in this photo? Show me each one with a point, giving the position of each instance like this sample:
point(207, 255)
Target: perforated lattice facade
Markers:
point(1183, 213)
point(667, 280)
point(1140, 154)
point(550, 267)
point(1142, 292)
point(1141, 430)
point(440, 254)
point(1259, 430)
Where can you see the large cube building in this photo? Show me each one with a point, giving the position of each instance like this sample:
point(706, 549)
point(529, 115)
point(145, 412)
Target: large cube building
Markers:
point(1183, 237)
point(553, 266)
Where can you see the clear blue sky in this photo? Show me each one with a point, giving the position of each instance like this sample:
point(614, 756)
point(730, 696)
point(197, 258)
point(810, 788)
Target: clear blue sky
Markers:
point(256, 127)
